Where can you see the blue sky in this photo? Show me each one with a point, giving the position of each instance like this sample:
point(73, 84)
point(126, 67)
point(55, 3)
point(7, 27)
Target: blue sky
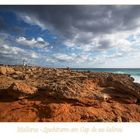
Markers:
point(74, 36)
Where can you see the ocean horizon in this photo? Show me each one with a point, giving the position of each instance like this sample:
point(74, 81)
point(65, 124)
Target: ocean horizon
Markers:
point(134, 72)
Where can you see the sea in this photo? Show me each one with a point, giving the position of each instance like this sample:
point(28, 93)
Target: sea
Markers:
point(134, 72)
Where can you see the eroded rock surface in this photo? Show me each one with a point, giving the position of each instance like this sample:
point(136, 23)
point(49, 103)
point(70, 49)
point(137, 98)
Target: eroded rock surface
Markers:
point(30, 94)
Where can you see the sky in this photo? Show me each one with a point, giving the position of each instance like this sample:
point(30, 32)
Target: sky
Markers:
point(87, 36)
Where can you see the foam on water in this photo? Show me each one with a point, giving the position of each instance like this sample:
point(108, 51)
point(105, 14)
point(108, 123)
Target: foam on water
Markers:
point(137, 78)
point(119, 72)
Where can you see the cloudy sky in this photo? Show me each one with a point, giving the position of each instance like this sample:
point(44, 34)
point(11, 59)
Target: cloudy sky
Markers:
point(75, 36)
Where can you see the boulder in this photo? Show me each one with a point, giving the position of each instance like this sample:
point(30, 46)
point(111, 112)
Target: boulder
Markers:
point(124, 84)
point(3, 70)
point(26, 77)
point(6, 70)
point(10, 70)
point(18, 72)
point(18, 75)
point(20, 90)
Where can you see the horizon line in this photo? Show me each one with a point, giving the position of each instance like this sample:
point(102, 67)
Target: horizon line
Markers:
point(74, 67)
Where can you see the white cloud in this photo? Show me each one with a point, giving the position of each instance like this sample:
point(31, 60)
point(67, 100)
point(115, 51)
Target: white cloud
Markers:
point(118, 41)
point(68, 58)
point(39, 42)
point(63, 57)
point(6, 49)
point(24, 41)
point(32, 20)
point(34, 55)
point(10, 54)
point(40, 39)
point(69, 43)
point(50, 60)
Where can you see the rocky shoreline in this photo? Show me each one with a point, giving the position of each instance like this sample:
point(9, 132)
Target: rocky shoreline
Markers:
point(37, 94)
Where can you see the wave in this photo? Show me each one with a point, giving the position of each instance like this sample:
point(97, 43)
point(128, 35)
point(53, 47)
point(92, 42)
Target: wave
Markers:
point(136, 78)
point(120, 72)
point(135, 73)
point(131, 73)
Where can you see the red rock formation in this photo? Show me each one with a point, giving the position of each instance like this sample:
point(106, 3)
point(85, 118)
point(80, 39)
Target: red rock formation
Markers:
point(62, 95)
